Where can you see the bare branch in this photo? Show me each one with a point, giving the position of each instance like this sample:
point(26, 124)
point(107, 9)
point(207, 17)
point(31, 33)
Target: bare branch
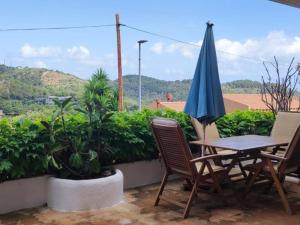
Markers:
point(278, 95)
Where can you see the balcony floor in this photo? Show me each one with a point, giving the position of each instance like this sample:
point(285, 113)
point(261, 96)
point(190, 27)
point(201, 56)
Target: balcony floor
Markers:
point(137, 208)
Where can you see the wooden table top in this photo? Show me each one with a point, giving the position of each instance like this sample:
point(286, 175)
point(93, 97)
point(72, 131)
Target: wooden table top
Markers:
point(243, 143)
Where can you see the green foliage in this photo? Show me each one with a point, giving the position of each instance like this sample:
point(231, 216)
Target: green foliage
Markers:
point(22, 152)
point(245, 122)
point(81, 152)
point(131, 137)
point(76, 149)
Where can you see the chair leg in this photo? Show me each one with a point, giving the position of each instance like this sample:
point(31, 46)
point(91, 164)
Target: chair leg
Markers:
point(279, 188)
point(161, 189)
point(242, 169)
point(190, 201)
point(268, 188)
point(194, 191)
point(250, 175)
point(251, 181)
point(216, 184)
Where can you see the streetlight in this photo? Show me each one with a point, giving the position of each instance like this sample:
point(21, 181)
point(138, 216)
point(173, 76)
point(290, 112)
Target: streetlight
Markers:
point(140, 42)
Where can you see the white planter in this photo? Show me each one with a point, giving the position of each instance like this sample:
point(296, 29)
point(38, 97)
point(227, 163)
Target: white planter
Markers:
point(22, 193)
point(142, 173)
point(78, 195)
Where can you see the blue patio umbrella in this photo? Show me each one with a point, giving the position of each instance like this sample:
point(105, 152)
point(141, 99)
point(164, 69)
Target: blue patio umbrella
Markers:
point(205, 99)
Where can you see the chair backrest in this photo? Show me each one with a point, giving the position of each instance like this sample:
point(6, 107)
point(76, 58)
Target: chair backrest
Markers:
point(292, 155)
point(211, 130)
point(173, 147)
point(285, 125)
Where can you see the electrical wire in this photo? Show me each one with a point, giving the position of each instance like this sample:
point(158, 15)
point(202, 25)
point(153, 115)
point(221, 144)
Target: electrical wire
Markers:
point(56, 28)
point(191, 44)
point(132, 28)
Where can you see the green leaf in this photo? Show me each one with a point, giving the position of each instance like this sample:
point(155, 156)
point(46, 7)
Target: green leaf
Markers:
point(66, 102)
point(75, 160)
point(93, 155)
point(5, 165)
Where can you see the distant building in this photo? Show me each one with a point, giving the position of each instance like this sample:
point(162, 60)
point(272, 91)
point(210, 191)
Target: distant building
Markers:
point(177, 106)
point(232, 102)
point(49, 100)
point(1, 113)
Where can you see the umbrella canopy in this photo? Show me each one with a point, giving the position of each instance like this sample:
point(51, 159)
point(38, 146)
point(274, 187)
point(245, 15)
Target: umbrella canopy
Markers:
point(205, 99)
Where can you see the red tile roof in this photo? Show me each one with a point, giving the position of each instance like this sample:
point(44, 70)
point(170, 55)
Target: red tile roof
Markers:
point(250, 101)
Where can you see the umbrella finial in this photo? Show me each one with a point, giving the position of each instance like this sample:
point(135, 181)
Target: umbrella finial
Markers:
point(209, 23)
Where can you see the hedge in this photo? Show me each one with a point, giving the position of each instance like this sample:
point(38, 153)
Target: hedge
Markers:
point(23, 141)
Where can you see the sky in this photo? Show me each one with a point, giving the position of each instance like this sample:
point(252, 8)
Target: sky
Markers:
point(246, 33)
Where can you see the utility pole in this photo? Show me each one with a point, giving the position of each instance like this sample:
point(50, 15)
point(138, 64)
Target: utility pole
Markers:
point(120, 78)
point(140, 42)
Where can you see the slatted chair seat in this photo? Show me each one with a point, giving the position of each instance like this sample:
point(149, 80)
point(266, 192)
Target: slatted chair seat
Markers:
point(274, 168)
point(178, 160)
point(226, 152)
point(285, 126)
point(214, 167)
point(265, 167)
point(211, 132)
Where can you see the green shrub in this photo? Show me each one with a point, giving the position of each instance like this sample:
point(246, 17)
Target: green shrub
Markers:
point(245, 122)
point(131, 137)
point(23, 142)
point(22, 151)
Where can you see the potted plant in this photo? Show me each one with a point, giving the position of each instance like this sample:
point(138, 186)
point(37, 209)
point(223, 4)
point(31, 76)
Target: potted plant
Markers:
point(78, 153)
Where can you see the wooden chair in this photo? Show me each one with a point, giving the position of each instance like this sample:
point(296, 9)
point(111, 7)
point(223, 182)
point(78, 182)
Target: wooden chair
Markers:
point(274, 168)
point(211, 132)
point(178, 160)
point(225, 154)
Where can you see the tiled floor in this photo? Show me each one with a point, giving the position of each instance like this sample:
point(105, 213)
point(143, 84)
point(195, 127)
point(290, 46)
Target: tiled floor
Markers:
point(137, 208)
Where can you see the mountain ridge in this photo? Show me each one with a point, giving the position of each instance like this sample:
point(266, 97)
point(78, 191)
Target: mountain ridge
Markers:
point(21, 87)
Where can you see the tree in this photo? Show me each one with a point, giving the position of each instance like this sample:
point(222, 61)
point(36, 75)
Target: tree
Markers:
point(278, 94)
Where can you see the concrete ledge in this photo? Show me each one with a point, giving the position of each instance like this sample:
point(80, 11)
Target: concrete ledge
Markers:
point(22, 193)
point(142, 173)
point(79, 195)
point(292, 179)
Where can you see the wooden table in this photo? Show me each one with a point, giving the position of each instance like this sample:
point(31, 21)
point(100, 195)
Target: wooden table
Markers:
point(243, 145)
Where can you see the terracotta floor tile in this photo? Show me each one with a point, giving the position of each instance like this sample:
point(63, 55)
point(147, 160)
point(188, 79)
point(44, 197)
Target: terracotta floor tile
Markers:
point(137, 209)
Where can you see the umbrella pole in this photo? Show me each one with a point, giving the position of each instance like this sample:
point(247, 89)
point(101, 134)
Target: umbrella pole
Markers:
point(203, 146)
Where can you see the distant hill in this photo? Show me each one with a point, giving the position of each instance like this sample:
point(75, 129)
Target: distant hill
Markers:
point(22, 87)
point(154, 88)
point(242, 86)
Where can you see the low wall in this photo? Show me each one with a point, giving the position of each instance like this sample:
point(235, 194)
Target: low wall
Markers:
point(23, 193)
point(32, 192)
point(142, 173)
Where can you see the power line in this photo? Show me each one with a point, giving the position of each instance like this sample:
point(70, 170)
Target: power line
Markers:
point(132, 28)
point(191, 44)
point(55, 28)
point(160, 35)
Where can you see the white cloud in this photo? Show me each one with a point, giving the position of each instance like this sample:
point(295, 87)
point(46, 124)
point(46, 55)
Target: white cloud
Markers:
point(187, 51)
point(79, 52)
point(157, 48)
point(28, 51)
point(275, 43)
point(103, 61)
point(40, 64)
point(172, 71)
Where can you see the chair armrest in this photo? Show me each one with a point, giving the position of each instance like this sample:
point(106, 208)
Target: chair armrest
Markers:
point(270, 156)
point(280, 148)
point(203, 158)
